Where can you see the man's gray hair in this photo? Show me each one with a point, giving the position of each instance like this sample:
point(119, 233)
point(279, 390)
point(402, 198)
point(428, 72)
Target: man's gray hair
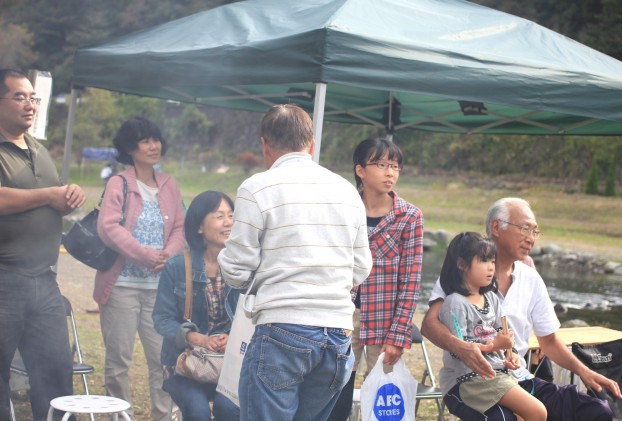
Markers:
point(500, 210)
point(287, 127)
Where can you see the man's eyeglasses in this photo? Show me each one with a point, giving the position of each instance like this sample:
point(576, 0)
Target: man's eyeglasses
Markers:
point(23, 100)
point(525, 230)
point(385, 166)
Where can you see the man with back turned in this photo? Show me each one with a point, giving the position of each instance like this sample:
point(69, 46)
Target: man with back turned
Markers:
point(300, 230)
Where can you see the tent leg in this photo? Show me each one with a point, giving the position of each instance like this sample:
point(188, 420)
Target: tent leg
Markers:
point(318, 118)
point(69, 135)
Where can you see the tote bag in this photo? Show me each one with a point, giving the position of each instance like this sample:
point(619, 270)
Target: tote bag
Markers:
point(242, 329)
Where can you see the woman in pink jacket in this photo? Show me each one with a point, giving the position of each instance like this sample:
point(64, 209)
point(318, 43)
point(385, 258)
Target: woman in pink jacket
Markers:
point(151, 232)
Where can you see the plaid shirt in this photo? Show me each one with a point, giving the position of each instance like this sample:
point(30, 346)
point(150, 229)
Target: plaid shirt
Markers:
point(215, 297)
point(389, 294)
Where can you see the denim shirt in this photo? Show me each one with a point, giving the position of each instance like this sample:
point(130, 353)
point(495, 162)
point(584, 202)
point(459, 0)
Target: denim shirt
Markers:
point(168, 313)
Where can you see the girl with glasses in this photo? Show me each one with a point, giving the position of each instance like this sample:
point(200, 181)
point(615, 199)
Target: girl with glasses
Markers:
point(385, 302)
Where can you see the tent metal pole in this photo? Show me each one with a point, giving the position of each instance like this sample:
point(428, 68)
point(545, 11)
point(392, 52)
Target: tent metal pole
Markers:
point(69, 135)
point(318, 118)
point(390, 127)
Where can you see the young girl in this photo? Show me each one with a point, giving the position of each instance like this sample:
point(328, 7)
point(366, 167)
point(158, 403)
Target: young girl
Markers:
point(386, 301)
point(472, 311)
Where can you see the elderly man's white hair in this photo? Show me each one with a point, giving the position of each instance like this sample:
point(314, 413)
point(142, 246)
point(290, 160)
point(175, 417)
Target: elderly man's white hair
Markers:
point(500, 210)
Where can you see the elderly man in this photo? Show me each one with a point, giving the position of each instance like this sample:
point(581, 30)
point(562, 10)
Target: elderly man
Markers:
point(32, 203)
point(512, 226)
point(300, 230)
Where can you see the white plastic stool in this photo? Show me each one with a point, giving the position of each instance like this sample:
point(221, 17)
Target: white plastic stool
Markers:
point(89, 404)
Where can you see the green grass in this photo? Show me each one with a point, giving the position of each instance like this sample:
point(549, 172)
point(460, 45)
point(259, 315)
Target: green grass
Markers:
point(576, 222)
point(455, 203)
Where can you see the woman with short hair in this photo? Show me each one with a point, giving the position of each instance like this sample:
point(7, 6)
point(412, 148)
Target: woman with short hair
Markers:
point(142, 218)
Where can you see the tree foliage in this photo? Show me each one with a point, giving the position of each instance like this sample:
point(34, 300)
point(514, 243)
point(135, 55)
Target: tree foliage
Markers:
point(610, 182)
point(16, 44)
point(591, 184)
point(248, 161)
point(100, 113)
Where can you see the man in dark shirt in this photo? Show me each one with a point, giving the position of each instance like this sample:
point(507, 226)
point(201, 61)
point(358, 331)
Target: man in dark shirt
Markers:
point(32, 203)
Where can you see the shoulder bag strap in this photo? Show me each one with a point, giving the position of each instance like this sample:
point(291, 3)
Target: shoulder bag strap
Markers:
point(188, 271)
point(122, 220)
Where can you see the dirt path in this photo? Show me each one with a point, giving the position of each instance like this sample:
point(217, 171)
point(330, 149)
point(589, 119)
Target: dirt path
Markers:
point(76, 282)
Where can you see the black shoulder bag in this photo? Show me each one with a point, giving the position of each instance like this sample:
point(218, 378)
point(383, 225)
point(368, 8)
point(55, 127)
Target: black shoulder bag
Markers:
point(83, 242)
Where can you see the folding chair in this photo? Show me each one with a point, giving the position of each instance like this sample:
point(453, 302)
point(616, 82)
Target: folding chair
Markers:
point(79, 368)
point(427, 390)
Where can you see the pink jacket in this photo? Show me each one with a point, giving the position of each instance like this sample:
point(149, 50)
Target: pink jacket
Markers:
point(120, 238)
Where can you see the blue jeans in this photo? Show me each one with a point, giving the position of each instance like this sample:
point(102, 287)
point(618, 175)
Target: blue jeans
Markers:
point(293, 372)
point(193, 399)
point(33, 320)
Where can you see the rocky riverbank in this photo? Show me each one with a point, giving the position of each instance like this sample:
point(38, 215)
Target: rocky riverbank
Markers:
point(550, 255)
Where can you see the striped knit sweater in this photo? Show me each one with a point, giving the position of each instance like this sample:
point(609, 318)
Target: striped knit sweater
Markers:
point(301, 230)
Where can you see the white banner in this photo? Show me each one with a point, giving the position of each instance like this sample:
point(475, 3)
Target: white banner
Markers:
point(42, 82)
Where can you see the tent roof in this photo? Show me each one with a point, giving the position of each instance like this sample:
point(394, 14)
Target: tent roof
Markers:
point(512, 75)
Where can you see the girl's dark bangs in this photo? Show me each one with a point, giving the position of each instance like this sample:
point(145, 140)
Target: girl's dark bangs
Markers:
point(487, 250)
point(376, 153)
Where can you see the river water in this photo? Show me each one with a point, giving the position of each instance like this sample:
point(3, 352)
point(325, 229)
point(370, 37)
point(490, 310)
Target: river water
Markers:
point(597, 299)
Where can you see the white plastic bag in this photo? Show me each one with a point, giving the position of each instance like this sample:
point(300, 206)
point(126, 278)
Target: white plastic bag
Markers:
point(389, 396)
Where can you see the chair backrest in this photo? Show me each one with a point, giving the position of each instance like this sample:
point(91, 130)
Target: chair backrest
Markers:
point(79, 368)
point(416, 335)
point(75, 346)
point(427, 389)
point(417, 338)
point(68, 308)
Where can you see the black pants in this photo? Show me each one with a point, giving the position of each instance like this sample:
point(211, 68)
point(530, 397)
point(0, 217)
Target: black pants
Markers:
point(543, 369)
point(33, 320)
point(341, 410)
